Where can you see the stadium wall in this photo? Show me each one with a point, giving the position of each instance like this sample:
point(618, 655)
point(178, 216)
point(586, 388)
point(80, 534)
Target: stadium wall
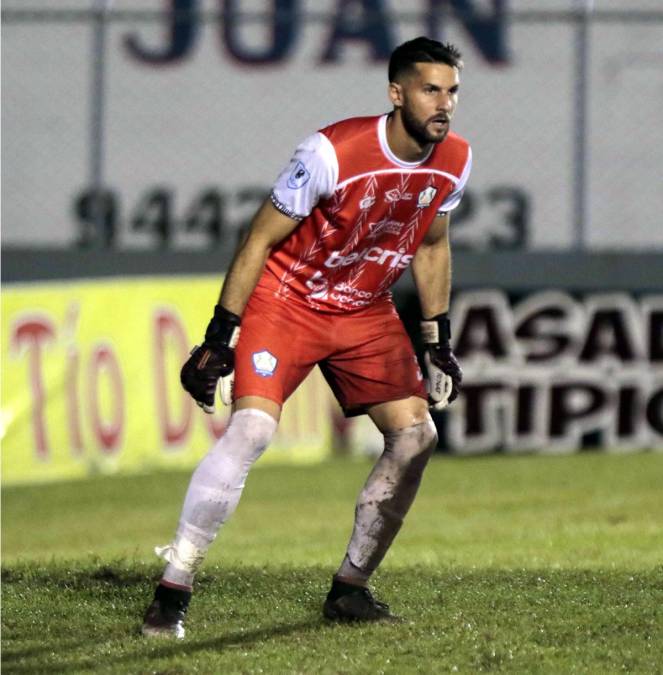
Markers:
point(143, 124)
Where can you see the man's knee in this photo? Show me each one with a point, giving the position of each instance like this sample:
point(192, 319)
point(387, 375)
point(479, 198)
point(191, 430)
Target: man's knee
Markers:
point(254, 428)
point(248, 434)
point(397, 415)
point(414, 445)
point(427, 434)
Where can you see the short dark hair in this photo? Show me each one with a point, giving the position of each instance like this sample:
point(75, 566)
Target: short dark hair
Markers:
point(422, 50)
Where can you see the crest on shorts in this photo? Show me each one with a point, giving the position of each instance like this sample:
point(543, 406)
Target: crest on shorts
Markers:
point(264, 363)
point(426, 197)
point(299, 176)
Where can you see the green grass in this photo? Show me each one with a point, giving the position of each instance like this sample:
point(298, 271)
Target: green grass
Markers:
point(512, 564)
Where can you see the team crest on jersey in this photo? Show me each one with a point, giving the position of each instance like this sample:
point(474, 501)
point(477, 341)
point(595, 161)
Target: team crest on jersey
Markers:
point(384, 226)
point(264, 363)
point(298, 177)
point(366, 203)
point(426, 197)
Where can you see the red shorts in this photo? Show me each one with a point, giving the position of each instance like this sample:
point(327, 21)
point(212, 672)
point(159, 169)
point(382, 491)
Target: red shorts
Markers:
point(366, 356)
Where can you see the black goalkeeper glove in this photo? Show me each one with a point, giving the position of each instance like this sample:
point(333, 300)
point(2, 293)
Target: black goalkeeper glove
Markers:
point(444, 373)
point(213, 360)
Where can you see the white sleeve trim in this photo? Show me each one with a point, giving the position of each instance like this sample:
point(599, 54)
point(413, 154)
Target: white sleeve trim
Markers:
point(311, 175)
point(452, 201)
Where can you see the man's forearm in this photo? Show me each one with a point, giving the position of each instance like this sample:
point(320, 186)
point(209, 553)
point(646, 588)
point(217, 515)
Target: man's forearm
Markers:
point(431, 270)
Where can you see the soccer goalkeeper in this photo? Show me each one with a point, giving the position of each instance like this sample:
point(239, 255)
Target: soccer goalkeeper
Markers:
point(361, 201)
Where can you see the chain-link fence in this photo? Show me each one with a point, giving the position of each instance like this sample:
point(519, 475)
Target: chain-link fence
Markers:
point(150, 124)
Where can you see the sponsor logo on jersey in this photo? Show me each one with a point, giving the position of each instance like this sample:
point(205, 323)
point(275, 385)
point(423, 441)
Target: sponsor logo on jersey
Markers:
point(426, 197)
point(366, 203)
point(384, 226)
point(264, 363)
point(381, 256)
point(298, 177)
point(345, 294)
point(395, 195)
point(319, 287)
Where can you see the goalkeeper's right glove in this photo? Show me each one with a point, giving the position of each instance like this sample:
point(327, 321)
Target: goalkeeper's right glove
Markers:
point(444, 373)
point(213, 360)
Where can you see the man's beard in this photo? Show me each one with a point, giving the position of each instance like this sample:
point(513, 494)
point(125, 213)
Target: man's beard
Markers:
point(418, 130)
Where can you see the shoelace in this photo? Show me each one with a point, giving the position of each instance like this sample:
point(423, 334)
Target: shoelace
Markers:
point(369, 596)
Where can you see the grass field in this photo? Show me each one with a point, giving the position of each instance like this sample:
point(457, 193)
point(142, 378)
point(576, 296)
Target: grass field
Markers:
point(512, 564)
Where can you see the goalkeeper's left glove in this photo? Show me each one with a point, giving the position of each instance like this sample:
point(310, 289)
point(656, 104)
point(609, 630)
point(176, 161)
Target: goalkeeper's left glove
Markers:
point(444, 373)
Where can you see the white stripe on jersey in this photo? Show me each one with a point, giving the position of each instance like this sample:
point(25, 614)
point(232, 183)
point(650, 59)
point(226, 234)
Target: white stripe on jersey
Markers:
point(352, 179)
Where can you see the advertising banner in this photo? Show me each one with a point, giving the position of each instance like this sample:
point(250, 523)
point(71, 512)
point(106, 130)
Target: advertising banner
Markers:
point(552, 372)
point(90, 381)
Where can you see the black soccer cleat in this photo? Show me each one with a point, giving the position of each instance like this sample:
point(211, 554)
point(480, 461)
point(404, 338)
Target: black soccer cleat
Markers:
point(347, 602)
point(165, 616)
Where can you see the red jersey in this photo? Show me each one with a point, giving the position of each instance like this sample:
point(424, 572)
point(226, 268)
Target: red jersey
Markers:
point(363, 213)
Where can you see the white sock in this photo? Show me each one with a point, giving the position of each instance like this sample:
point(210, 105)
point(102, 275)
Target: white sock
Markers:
point(386, 499)
point(214, 492)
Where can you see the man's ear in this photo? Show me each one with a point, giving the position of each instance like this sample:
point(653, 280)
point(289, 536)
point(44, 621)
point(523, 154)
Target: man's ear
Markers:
point(396, 94)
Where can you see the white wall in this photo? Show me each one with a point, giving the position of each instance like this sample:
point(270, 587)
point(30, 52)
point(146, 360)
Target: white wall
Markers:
point(209, 121)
